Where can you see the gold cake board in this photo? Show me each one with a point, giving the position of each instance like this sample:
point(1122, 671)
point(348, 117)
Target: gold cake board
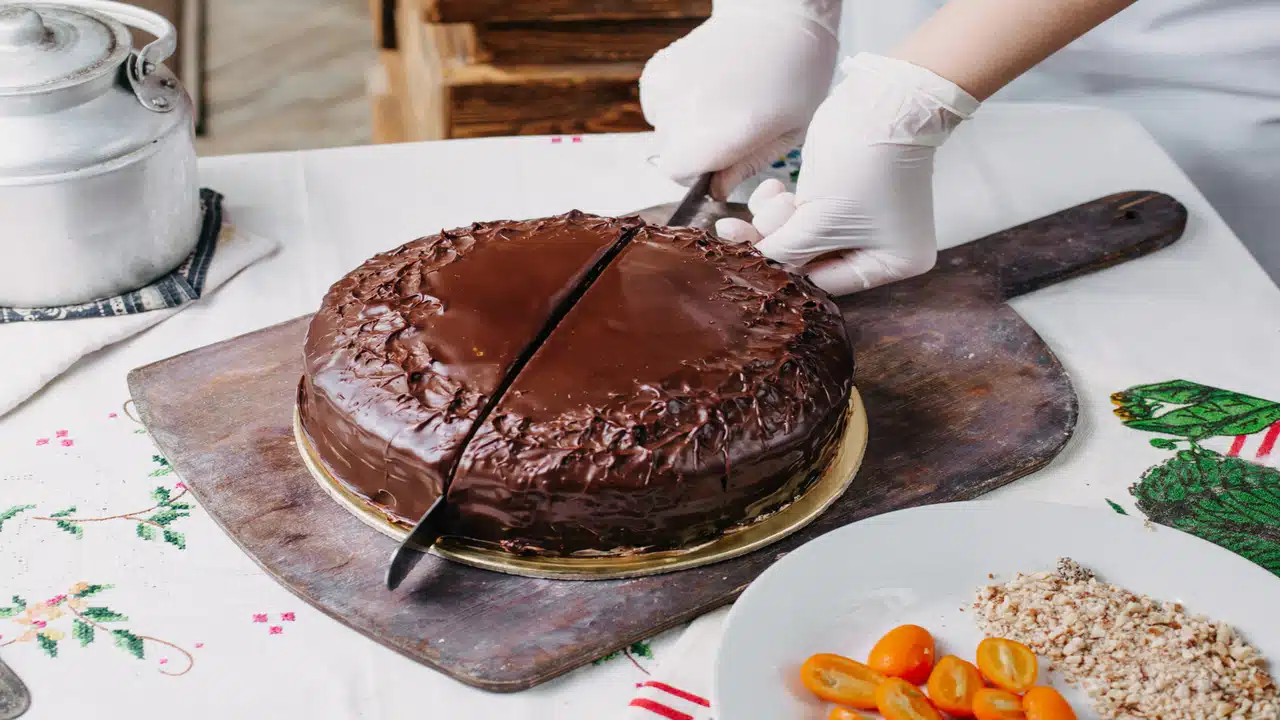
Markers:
point(824, 491)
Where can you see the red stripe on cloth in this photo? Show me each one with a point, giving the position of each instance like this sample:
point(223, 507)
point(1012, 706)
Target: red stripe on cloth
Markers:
point(658, 708)
point(677, 692)
point(1269, 440)
point(1237, 445)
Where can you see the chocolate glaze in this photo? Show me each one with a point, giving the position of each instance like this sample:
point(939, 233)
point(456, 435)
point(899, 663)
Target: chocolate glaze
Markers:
point(406, 350)
point(692, 387)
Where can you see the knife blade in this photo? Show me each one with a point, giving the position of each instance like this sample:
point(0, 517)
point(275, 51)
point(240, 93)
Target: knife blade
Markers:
point(693, 201)
point(416, 544)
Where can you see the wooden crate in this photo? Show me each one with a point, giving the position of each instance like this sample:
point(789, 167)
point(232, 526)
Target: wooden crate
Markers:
point(479, 68)
point(577, 41)
point(482, 11)
point(385, 88)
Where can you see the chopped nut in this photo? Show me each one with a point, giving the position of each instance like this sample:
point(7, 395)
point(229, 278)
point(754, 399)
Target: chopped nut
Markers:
point(1135, 657)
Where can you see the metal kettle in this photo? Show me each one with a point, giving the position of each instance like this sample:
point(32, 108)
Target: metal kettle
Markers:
point(98, 186)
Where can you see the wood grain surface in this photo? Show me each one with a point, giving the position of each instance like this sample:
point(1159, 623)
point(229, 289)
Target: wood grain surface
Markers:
point(512, 10)
point(542, 103)
point(962, 397)
point(582, 41)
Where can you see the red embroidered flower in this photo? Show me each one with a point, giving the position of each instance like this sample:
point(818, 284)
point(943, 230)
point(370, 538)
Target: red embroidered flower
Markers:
point(577, 138)
point(259, 617)
point(42, 441)
point(164, 661)
point(68, 442)
point(112, 415)
point(62, 433)
point(287, 617)
point(199, 645)
point(556, 140)
point(276, 630)
point(180, 486)
point(55, 600)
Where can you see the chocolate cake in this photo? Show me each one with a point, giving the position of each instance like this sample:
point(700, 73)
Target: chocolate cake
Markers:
point(590, 385)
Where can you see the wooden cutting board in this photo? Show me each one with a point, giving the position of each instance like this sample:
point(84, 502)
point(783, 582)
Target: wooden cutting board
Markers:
point(962, 397)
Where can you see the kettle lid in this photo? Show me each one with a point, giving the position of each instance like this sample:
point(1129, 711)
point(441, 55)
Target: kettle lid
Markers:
point(48, 47)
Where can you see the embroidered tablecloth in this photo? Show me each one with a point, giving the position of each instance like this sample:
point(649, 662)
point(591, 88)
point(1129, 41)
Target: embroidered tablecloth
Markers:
point(120, 598)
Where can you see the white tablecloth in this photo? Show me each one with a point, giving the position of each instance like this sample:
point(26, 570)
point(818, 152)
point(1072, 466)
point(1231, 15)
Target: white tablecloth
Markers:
point(201, 632)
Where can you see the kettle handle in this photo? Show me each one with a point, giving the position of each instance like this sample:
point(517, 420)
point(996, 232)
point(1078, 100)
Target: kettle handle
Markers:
point(154, 85)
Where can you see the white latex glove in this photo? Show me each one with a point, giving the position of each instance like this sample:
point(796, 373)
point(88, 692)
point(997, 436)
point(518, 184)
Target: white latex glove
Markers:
point(736, 93)
point(862, 213)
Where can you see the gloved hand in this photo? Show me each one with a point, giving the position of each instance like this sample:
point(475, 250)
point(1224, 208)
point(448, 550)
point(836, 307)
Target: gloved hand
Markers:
point(736, 93)
point(862, 213)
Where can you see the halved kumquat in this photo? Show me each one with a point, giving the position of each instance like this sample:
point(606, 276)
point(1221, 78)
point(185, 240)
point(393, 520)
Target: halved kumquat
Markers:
point(844, 713)
point(993, 704)
point(906, 652)
point(838, 679)
point(952, 685)
point(1007, 664)
point(1045, 703)
point(898, 699)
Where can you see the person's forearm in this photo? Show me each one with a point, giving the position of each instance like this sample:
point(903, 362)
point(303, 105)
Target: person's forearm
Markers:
point(983, 45)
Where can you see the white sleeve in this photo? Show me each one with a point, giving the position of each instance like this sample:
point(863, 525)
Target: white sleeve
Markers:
point(823, 12)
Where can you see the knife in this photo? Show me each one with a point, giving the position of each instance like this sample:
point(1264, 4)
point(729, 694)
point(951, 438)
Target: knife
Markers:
point(431, 526)
point(419, 541)
point(693, 201)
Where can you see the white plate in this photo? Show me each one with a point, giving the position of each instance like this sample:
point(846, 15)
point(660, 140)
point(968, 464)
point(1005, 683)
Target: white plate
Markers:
point(842, 591)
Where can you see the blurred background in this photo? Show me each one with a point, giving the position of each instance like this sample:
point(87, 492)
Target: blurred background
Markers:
point(297, 74)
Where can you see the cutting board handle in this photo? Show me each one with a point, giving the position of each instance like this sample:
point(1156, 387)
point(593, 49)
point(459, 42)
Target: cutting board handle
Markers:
point(1078, 240)
point(1057, 247)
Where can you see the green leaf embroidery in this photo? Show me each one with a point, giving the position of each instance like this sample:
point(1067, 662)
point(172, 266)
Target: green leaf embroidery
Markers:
point(129, 642)
point(82, 631)
point(92, 590)
point(161, 471)
point(1116, 506)
point(176, 539)
point(12, 512)
point(165, 516)
point(48, 644)
point(1177, 392)
point(18, 606)
point(1225, 500)
point(146, 532)
point(1204, 411)
point(70, 527)
point(161, 495)
point(101, 614)
point(1164, 444)
point(180, 506)
point(64, 513)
